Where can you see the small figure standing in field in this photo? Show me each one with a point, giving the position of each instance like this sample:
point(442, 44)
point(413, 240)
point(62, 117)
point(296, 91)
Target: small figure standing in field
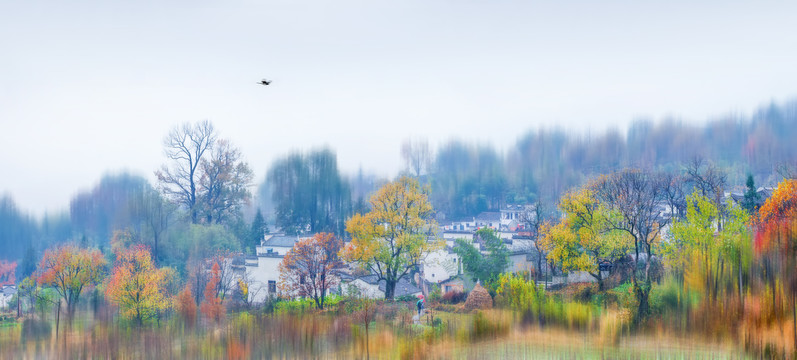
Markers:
point(420, 305)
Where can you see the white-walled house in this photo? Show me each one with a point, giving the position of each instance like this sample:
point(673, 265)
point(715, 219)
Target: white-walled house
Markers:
point(368, 286)
point(263, 275)
point(440, 265)
point(6, 293)
point(519, 261)
point(277, 244)
point(489, 219)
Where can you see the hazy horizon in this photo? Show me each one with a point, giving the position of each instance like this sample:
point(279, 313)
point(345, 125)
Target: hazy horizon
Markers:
point(93, 87)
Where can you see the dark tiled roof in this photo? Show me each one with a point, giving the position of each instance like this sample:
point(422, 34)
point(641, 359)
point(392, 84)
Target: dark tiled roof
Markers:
point(8, 290)
point(281, 241)
point(489, 216)
point(404, 286)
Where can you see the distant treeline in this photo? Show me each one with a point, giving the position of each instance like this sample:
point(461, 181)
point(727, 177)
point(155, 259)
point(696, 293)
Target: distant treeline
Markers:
point(467, 179)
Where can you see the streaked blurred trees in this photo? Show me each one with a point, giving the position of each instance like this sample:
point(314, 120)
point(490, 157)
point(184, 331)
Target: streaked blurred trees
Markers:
point(309, 193)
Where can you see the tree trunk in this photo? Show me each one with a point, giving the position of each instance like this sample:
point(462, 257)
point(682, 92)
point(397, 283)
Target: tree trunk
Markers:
point(794, 317)
point(642, 294)
point(741, 293)
point(390, 288)
point(539, 265)
point(57, 317)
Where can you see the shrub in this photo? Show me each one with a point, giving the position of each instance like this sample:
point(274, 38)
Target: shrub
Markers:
point(454, 297)
point(405, 298)
point(623, 296)
point(519, 294)
point(296, 307)
point(435, 293)
point(580, 291)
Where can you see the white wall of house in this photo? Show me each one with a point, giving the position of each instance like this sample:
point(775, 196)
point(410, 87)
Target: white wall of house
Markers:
point(279, 250)
point(518, 262)
point(4, 301)
point(267, 269)
point(451, 236)
point(365, 289)
point(439, 266)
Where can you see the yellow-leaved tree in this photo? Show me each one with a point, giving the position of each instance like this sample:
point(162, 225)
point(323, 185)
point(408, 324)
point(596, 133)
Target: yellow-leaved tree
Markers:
point(392, 238)
point(136, 286)
point(584, 237)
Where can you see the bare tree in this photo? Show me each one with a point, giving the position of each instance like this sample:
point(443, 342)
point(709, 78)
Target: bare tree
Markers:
point(674, 195)
point(417, 156)
point(787, 170)
point(710, 181)
point(252, 289)
point(637, 196)
point(185, 147)
point(532, 217)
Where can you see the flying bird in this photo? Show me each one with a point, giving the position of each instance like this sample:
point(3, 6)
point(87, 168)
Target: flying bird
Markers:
point(264, 82)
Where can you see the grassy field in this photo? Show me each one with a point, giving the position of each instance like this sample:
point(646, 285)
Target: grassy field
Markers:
point(334, 336)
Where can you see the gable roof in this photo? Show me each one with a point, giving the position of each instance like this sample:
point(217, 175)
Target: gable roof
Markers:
point(403, 287)
point(281, 241)
point(8, 290)
point(489, 216)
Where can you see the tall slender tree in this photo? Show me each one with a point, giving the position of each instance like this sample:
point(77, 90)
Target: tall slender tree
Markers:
point(185, 147)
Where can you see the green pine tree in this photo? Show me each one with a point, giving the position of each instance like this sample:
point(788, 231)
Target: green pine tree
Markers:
point(258, 231)
point(751, 198)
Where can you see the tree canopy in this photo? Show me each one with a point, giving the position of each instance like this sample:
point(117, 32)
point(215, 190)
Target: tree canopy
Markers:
point(391, 239)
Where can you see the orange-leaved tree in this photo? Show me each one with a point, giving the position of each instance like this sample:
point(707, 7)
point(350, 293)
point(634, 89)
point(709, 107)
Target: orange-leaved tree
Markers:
point(211, 305)
point(186, 306)
point(69, 269)
point(137, 286)
point(776, 236)
point(309, 269)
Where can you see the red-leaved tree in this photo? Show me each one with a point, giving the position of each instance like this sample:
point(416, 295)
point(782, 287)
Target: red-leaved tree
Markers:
point(186, 306)
point(309, 269)
point(776, 238)
point(211, 306)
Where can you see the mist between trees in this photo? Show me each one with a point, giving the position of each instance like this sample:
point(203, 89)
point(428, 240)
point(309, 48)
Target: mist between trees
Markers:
point(205, 181)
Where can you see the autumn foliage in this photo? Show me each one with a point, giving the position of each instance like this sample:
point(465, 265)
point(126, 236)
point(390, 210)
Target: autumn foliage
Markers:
point(186, 306)
point(211, 306)
point(69, 270)
point(776, 226)
point(308, 270)
point(7, 270)
point(390, 239)
point(136, 286)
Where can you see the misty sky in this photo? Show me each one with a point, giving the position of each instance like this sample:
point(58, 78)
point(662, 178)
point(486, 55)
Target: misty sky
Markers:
point(88, 87)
